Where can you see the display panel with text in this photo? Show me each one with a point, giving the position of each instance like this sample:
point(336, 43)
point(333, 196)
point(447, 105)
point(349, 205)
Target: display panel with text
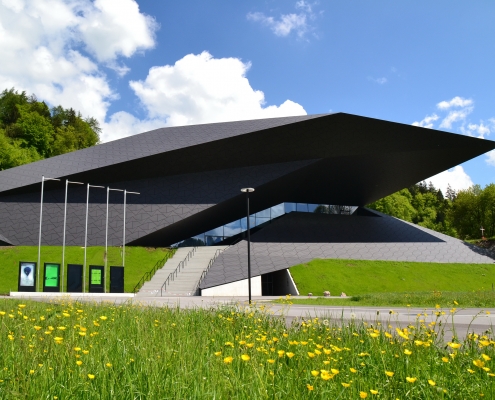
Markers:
point(27, 276)
point(96, 278)
point(51, 281)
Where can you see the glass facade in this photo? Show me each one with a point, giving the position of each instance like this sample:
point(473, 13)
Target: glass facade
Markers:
point(224, 232)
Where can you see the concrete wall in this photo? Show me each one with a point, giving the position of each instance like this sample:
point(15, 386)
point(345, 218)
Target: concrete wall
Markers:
point(239, 288)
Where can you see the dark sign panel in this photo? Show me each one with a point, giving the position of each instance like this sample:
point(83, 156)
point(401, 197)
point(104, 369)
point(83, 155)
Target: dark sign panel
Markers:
point(74, 278)
point(96, 273)
point(27, 276)
point(51, 283)
point(116, 279)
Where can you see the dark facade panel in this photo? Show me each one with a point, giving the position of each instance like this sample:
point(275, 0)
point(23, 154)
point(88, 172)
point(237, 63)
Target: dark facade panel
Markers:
point(297, 238)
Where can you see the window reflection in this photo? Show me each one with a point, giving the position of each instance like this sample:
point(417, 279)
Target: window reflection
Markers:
point(218, 235)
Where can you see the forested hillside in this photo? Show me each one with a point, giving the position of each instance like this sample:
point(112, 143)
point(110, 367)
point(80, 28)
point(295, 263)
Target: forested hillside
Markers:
point(31, 131)
point(460, 214)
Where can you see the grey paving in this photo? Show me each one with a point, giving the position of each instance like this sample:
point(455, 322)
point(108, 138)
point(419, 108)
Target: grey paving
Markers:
point(301, 237)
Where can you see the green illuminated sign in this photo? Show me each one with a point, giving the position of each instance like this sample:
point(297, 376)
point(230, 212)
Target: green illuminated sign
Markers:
point(51, 275)
point(96, 277)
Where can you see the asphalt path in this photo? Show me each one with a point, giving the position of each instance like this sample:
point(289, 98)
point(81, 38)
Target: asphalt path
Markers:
point(457, 324)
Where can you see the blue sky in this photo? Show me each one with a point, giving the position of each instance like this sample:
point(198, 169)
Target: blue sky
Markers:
point(139, 65)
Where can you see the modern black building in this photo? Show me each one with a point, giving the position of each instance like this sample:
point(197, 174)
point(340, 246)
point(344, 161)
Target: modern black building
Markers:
point(190, 179)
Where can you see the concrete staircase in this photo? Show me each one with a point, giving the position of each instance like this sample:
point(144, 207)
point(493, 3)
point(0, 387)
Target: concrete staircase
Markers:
point(187, 279)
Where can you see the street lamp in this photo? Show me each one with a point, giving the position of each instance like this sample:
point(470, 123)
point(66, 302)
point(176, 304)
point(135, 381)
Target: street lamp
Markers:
point(106, 238)
point(247, 191)
point(43, 179)
point(123, 235)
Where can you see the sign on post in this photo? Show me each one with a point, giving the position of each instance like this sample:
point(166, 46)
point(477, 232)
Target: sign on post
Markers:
point(27, 276)
point(96, 279)
point(51, 281)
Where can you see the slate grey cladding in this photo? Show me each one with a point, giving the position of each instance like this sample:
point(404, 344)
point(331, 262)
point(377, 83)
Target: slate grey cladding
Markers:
point(297, 238)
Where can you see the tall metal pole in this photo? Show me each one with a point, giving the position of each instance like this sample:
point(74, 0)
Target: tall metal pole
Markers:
point(63, 240)
point(106, 246)
point(39, 239)
point(43, 179)
point(85, 239)
point(123, 235)
point(247, 191)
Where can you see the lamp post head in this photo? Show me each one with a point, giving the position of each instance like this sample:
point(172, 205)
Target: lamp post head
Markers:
point(247, 190)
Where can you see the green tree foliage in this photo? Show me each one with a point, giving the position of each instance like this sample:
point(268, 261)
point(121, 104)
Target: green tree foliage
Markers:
point(31, 131)
point(460, 214)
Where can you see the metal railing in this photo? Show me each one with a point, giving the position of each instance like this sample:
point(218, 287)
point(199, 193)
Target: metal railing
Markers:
point(203, 274)
point(171, 277)
point(148, 275)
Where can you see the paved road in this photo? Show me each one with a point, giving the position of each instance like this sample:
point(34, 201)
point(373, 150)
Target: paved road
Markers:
point(463, 321)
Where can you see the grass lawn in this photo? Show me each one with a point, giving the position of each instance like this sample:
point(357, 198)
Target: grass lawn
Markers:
point(358, 277)
point(138, 260)
point(64, 350)
point(412, 299)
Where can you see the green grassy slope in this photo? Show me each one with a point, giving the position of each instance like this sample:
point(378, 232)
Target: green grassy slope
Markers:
point(356, 277)
point(138, 260)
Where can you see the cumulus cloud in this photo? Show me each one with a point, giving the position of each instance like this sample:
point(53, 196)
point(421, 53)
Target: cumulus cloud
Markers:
point(57, 48)
point(202, 89)
point(287, 23)
point(456, 177)
point(426, 122)
point(380, 81)
point(490, 158)
point(455, 102)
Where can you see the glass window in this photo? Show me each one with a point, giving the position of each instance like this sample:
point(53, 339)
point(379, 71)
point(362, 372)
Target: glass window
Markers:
point(215, 232)
point(277, 210)
point(312, 207)
point(264, 213)
point(260, 221)
point(212, 240)
point(244, 222)
point(232, 229)
point(289, 207)
point(302, 207)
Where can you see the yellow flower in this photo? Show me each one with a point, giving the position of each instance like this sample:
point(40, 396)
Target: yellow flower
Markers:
point(317, 352)
point(485, 357)
point(470, 371)
point(311, 355)
point(217, 353)
point(66, 314)
point(346, 385)
point(484, 343)
point(228, 360)
point(103, 318)
point(82, 333)
point(411, 380)
point(85, 351)
point(372, 391)
point(108, 365)
point(31, 371)
point(432, 382)
point(11, 337)
point(478, 363)
point(445, 359)
point(389, 373)
point(61, 328)
point(79, 362)
point(407, 352)
point(77, 348)
point(454, 345)
point(310, 387)
point(21, 305)
point(270, 360)
point(363, 395)
point(37, 327)
point(245, 357)
point(58, 340)
point(315, 373)
point(2, 313)
point(289, 354)
point(334, 371)
point(281, 353)
point(374, 335)
point(353, 370)
point(90, 376)
point(326, 376)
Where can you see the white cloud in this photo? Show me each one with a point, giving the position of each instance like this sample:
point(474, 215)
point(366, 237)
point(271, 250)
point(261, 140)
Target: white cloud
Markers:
point(287, 23)
point(455, 116)
point(455, 102)
point(490, 158)
point(122, 124)
point(456, 177)
point(426, 122)
point(380, 81)
point(202, 89)
point(110, 28)
point(42, 46)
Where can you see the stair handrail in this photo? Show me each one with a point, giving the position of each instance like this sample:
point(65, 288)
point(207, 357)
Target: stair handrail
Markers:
point(205, 271)
point(148, 275)
point(174, 273)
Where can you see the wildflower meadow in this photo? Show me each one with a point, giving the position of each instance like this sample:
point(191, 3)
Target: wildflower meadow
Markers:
point(70, 350)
